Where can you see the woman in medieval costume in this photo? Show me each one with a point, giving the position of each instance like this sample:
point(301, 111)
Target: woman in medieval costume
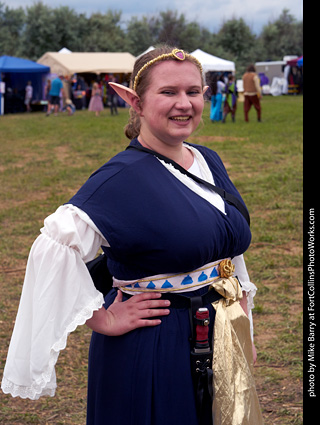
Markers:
point(217, 87)
point(169, 241)
point(230, 103)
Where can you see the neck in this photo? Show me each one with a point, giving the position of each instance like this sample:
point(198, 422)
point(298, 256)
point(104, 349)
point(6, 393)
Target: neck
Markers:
point(178, 153)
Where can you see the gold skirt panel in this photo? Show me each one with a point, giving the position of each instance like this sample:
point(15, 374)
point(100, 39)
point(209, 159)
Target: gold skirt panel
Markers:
point(235, 399)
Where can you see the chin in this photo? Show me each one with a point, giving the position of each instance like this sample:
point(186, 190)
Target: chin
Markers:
point(183, 134)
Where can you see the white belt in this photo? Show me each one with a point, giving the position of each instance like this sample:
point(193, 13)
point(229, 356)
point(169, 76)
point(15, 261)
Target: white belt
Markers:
point(174, 282)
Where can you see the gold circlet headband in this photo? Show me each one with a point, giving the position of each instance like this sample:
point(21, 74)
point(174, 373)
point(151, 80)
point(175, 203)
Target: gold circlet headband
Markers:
point(175, 54)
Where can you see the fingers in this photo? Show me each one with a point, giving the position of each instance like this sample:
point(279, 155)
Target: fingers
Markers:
point(145, 296)
point(136, 312)
point(144, 307)
point(150, 307)
point(153, 304)
point(148, 322)
point(118, 298)
point(124, 316)
point(148, 300)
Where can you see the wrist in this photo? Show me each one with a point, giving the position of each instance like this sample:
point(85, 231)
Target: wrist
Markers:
point(244, 302)
point(99, 321)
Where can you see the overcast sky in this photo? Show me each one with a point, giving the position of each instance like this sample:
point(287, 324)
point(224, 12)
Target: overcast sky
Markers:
point(208, 13)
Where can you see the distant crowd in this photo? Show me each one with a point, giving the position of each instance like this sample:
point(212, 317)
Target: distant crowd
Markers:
point(66, 94)
point(69, 94)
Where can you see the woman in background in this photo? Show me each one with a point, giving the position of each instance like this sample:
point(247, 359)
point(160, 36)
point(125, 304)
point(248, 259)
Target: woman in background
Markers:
point(217, 87)
point(230, 103)
point(95, 103)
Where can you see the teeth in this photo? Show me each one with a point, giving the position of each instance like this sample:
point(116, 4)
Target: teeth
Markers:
point(180, 118)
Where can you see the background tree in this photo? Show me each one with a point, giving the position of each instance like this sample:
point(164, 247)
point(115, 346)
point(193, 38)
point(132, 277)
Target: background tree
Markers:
point(39, 35)
point(38, 29)
point(142, 34)
point(191, 37)
point(171, 28)
point(104, 33)
point(69, 28)
point(282, 37)
point(11, 24)
point(237, 42)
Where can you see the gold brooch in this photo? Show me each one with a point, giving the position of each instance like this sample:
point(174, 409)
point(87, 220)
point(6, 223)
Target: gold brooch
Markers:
point(226, 268)
point(178, 54)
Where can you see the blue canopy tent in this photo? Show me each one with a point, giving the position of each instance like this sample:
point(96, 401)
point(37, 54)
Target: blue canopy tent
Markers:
point(16, 72)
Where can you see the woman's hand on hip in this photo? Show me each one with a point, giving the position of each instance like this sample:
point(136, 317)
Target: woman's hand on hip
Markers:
point(124, 316)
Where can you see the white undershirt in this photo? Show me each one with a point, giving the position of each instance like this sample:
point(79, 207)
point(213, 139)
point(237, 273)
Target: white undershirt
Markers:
point(199, 168)
point(58, 293)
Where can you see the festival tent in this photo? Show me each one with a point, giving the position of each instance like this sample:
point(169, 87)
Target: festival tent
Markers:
point(16, 72)
point(64, 50)
point(19, 65)
point(83, 62)
point(296, 62)
point(212, 63)
point(149, 49)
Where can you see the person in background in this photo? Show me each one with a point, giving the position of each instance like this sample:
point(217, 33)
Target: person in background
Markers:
point(252, 92)
point(113, 97)
point(67, 92)
point(79, 95)
point(70, 107)
point(28, 95)
point(96, 104)
point(55, 92)
point(47, 95)
point(168, 242)
point(217, 87)
point(230, 103)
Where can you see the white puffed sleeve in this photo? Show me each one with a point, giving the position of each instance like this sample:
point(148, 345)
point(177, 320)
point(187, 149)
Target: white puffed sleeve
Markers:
point(58, 295)
point(246, 285)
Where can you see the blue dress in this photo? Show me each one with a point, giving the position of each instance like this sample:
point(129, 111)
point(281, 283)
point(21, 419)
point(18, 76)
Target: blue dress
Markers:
point(154, 224)
point(217, 101)
point(216, 107)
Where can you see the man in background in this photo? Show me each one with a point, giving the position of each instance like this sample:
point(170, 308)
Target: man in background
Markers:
point(55, 91)
point(252, 92)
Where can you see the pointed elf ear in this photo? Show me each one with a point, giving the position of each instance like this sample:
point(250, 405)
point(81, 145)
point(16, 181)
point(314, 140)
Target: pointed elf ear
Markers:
point(205, 88)
point(128, 95)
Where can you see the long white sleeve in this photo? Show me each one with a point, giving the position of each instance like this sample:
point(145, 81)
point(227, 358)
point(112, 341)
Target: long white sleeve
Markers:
point(58, 295)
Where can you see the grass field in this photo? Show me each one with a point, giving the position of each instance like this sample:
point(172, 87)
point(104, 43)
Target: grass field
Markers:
point(44, 160)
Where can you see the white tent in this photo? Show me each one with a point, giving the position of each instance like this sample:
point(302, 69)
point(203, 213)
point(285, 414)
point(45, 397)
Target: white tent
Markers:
point(64, 50)
point(97, 63)
point(149, 49)
point(213, 63)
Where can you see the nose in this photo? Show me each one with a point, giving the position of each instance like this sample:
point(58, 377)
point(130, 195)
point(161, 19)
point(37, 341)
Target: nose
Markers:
point(183, 101)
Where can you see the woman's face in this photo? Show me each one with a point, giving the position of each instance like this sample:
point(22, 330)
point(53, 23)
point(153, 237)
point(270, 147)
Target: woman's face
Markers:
point(171, 108)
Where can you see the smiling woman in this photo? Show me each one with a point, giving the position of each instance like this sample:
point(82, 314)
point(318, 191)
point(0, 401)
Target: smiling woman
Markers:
point(167, 102)
point(169, 238)
point(169, 113)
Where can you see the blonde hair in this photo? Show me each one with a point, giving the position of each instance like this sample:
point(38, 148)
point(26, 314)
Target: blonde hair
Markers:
point(140, 78)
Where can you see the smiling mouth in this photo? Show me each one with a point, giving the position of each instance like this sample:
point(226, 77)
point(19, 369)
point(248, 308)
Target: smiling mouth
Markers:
point(184, 118)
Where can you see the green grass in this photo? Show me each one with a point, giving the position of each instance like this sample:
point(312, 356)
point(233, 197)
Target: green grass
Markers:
point(44, 160)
